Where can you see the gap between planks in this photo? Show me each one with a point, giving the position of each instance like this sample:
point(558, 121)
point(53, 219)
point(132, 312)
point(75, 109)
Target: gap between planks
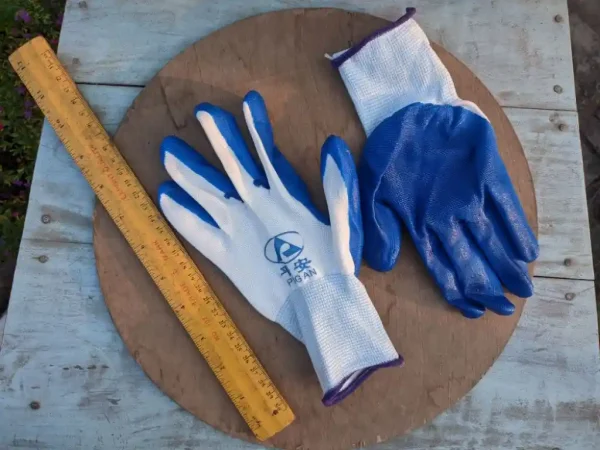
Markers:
point(76, 243)
point(141, 86)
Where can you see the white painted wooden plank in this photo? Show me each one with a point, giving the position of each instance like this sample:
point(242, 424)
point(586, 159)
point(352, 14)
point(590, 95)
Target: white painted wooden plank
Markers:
point(551, 143)
point(514, 46)
point(61, 350)
point(60, 191)
point(544, 390)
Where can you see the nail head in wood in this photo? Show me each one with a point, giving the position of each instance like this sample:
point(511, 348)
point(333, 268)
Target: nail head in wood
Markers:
point(569, 296)
point(46, 218)
point(43, 259)
point(558, 18)
point(558, 89)
point(563, 127)
point(34, 405)
point(568, 262)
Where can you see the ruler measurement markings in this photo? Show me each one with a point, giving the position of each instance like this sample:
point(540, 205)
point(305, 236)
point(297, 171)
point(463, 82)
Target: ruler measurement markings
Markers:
point(154, 243)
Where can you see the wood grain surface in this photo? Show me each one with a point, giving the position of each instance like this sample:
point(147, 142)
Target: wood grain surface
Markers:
point(445, 353)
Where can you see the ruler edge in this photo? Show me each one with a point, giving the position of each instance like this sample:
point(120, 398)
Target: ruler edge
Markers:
point(30, 46)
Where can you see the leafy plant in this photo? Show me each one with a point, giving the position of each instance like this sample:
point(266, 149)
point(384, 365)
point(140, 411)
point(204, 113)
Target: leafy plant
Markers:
point(20, 119)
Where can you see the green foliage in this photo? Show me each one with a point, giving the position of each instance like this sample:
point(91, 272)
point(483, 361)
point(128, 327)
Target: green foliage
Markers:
point(20, 119)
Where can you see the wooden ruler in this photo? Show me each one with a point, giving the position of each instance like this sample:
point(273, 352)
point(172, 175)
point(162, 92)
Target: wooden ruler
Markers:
point(150, 237)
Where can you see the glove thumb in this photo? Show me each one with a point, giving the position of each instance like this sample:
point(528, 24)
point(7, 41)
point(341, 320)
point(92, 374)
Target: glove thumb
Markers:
point(381, 225)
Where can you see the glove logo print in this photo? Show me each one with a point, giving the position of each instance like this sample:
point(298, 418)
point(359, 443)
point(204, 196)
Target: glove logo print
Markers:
point(284, 247)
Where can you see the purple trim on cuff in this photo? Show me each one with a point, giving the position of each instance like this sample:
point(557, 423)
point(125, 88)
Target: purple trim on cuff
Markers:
point(337, 62)
point(335, 395)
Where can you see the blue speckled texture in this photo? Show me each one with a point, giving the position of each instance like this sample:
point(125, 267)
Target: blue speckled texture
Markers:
point(431, 165)
point(435, 169)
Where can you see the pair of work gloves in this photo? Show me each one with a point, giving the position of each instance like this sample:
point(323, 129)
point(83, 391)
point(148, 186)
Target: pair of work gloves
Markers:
point(430, 165)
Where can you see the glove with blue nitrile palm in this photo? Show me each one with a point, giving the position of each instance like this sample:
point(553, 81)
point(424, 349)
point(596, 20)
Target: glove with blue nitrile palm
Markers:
point(431, 164)
point(296, 266)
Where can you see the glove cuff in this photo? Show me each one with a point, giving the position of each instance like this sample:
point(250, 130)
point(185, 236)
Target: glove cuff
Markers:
point(343, 334)
point(393, 68)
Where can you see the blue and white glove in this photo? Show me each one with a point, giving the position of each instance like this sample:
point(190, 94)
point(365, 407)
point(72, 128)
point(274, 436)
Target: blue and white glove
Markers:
point(431, 164)
point(294, 265)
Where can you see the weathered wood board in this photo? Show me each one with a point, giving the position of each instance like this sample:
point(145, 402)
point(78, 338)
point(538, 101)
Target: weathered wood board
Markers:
point(516, 47)
point(56, 178)
point(62, 350)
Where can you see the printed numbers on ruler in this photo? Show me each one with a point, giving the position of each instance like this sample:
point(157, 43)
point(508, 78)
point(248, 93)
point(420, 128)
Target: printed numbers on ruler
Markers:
point(152, 240)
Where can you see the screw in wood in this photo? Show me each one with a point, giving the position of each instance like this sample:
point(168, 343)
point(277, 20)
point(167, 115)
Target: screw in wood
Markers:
point(46, 218)
point(35, 405)
point(568, 262)
point(563, 127)
point(558, 89)
point(43, 259)
point(558, 18)
point(569, 296)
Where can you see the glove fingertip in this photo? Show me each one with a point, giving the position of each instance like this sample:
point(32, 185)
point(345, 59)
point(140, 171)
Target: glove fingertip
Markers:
point(166, 144)
point(532, 251)
point(218, 122)
point(222, 131)
point(169, 192)
point(507, 310)
point(174, 145)
point(520, 283)
point(523, 239)
point(257, 105)
point(498, 304)
point(259, 124)
point(167, 188)
point(334, 142)
point(472, 313)
point(383, 236)
point(381, 258)
point(336, 148)
point(208, 108)
point(504, 307)
point(524, 289)
point(468, 308)
point(379, 264)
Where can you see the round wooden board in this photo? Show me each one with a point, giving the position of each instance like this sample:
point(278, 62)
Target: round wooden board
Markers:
point(281, 55)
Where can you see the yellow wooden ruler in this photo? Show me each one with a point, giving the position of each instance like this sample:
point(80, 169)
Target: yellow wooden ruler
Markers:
point(148, 234)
